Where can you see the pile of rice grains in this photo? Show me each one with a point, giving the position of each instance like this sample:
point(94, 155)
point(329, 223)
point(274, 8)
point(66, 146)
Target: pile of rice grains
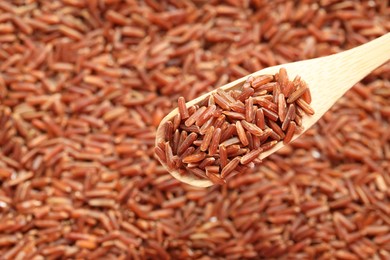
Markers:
point(84, 84)
point(226, 133)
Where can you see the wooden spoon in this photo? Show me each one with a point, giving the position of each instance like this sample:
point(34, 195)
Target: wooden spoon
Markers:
point(328, 79)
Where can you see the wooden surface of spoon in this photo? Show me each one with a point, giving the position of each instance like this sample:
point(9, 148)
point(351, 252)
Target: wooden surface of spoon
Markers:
point(328, 79)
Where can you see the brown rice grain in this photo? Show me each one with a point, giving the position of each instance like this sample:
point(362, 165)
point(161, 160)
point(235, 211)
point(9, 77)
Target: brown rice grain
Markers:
point(252, 128)
point(195, 116)
point(249, 157)
point(249, 109)
point(305, 107)
point(261, 81)
point(270, 114)
point(205, 115)
point(187, 142)
point(297, 93)
point(207, 139)
point(182, 108)
point(241, 134)
point(290, 132)
point(215, 141)
point(193, 158)
point(230, 167)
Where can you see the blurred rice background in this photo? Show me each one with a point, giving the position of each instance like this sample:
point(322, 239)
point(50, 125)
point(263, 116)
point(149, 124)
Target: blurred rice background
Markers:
point(85, 83)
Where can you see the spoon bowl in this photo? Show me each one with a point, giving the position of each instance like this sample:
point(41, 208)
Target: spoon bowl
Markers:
point(327, 77)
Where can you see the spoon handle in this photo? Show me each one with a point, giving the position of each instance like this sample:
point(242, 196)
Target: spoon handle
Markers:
point(331, 77)
point(360, 61)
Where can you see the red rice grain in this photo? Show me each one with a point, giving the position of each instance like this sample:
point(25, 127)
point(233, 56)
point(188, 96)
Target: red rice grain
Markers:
point(182, 108)
point(215, 141)
point(290, 132)
point(230, 167)
point(207, 139)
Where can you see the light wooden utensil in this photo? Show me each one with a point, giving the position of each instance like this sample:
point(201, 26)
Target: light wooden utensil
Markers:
point(328, 79)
